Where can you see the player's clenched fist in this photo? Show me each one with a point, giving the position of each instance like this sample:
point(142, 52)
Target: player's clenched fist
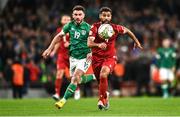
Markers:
point(102, 46)
point(138, 46)
point(46, 53)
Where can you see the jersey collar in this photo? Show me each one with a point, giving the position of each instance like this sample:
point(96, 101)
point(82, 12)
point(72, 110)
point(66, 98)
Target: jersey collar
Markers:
point(78, 24)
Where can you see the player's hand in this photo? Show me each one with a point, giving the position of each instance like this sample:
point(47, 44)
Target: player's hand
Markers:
point(46, 53)
point(137, 46)
point(66, 44)
point(52, 53)
point(102, 46)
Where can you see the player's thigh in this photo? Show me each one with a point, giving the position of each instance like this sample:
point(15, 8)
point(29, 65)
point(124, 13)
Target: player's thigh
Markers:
point(96, 69)
point(110, 63)
point(77, 75)
point(83, 64)
point(62, 63)
point(73, 63)
point(60, 73)
point(105, 70)
point(67, 73)
point(76, 70)
point(163, 74)
point(170, 75)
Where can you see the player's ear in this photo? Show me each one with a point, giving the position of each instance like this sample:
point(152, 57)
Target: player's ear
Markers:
point(99, 16)
point(84, 15)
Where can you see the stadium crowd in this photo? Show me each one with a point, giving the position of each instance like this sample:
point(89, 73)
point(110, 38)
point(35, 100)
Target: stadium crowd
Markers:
point(27, 27)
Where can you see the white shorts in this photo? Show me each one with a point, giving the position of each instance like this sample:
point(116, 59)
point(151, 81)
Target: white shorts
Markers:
point(166, 74)
point(82, 64)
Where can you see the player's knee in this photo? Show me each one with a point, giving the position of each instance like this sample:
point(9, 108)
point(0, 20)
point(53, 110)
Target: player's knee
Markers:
point(73, 80)
point(104, 74)
point(59, 74)
point(76, 79)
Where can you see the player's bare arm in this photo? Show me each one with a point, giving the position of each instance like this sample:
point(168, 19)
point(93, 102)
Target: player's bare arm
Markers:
point(66, 43)
point(131, 34)
point(55, 40)
point(92, 44)
point(55, 49)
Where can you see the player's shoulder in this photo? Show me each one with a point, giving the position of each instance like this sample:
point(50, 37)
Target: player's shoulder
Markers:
point(160, 49)
point(96, 24)
point(172, 49)
point(113, 24)
point(116, 25)
point(85, 24)
point(70, 23)
point(58, 29)
point(66, 26)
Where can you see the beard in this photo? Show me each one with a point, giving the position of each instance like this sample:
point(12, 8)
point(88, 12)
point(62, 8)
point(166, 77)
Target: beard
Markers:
point(78, 21)
point(105, 21)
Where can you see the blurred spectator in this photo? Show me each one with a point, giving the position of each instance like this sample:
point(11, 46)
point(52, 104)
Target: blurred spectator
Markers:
point(143, 76)
point(17, 79)
point(34, 70)
point(26, 76)
point(8, 73)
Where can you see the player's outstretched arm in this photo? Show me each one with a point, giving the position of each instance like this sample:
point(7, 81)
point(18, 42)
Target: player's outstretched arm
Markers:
point(55, 40)
point(92, 44)
point(55, 49)
point(131, 34)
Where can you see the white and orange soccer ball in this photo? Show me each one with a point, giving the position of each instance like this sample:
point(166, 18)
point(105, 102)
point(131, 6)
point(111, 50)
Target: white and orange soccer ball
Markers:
point(105, 31)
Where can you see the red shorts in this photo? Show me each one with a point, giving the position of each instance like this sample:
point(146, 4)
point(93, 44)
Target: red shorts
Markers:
point(62, 61)
point(97, 65)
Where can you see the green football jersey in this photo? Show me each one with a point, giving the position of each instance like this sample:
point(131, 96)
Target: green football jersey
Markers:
point(166, 57)
point(78, 39)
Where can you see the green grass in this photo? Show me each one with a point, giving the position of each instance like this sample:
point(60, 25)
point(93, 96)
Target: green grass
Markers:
point(88, 107)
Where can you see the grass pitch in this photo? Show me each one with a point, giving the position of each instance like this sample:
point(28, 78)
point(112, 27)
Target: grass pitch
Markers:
point(88, 107)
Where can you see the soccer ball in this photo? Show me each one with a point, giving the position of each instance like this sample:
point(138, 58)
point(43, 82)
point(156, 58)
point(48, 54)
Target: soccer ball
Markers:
point(105, 31)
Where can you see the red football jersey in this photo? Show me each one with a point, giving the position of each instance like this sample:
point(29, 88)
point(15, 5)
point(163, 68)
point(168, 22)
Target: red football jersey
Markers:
point(62, 49)
point(110, 50)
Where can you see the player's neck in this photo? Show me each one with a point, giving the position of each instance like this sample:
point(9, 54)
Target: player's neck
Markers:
point(78, 23)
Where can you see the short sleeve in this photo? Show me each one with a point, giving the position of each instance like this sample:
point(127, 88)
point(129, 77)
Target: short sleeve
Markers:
point(66, 28)
point(120, 29)
point(58, 30)
point(93, 31)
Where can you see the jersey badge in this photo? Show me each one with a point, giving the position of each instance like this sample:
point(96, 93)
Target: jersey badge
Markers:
point(83, 32)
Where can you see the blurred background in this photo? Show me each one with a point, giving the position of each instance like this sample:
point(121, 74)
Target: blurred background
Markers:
point(28, 26)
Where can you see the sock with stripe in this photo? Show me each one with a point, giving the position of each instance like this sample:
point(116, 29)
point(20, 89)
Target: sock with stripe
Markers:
point(70, 91)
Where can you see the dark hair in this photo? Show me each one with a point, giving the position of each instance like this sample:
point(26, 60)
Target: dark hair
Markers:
point(65, 15)
point(105, 9)
point(79, 7)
